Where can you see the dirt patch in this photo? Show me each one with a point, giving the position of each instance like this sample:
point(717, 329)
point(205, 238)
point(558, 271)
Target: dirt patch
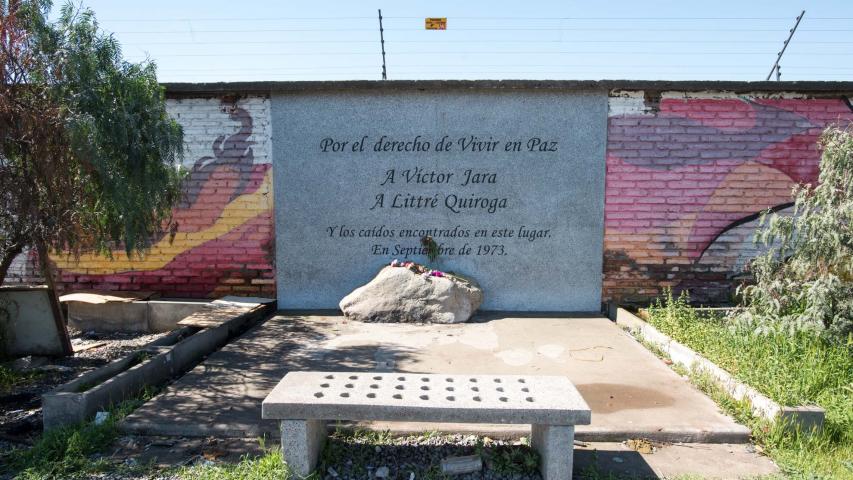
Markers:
point(20, 405)
point(613, 397)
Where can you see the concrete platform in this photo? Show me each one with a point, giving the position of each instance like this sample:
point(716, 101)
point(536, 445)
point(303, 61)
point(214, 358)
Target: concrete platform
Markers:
point(632, 394)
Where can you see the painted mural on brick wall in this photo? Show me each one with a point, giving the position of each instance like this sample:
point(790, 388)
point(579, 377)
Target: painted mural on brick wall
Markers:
point(687, 179)
point(223, 243)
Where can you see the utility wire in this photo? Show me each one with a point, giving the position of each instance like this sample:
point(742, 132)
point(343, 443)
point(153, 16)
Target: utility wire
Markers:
point(513, 19)
point(455, 52)
point(474, 29)
point(432, 42)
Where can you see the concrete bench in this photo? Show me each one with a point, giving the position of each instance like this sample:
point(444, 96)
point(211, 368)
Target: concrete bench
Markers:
point(305, 401)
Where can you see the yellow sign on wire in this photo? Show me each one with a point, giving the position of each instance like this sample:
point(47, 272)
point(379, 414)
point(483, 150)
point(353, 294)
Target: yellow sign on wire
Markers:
point(435, 23)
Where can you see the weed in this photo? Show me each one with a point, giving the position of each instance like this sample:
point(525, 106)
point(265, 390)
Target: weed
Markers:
point(69, 451)
point(513, 459)
point(270, 465)
point(10, 379)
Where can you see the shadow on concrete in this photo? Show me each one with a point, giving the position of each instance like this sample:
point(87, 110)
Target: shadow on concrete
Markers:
point(621, 464)
point(245, 371)
point(489, 315)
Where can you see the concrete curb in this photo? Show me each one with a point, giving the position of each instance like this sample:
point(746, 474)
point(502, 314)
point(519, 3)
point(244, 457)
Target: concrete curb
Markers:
point(585, 433)
point(806, 418)
point(153, 365)
point(157, 315)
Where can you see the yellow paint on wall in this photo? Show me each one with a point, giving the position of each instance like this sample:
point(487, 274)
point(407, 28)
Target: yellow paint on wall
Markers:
point(238, 212)
point(738, 193)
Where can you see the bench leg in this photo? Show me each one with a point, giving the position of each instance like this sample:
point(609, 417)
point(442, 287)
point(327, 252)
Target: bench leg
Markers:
point(301, 442)
point(555, 444)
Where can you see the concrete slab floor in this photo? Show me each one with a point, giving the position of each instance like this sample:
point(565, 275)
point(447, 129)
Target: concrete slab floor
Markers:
point(631, 392)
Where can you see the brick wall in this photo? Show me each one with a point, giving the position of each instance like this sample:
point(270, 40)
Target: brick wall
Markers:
point(687, 175)
point(224, 243)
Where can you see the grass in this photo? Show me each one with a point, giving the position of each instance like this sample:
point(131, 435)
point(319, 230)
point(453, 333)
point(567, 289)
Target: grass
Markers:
point(268, 466)
point(799, 369)
point(508, 459)
point(9, 379)
point(70, 451)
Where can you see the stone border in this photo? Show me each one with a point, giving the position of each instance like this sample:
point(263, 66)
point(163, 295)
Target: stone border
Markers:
point(805, 418)
point(170, 356)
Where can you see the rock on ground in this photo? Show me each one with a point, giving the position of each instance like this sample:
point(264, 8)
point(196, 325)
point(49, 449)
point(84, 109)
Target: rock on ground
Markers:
point(398, 294)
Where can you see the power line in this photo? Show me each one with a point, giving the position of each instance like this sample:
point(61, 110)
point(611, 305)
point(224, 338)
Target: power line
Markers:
point(456, 52)
point(474, 29)
point(504, 67)
point(433, 42)
point(512, 18)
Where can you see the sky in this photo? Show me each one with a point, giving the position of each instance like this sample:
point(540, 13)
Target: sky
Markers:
point(247, 40)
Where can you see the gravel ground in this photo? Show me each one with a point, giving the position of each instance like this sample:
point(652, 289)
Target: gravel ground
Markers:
point(355, 457)
point(20, 408)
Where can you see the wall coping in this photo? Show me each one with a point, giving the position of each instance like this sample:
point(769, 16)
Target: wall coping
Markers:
point(266, 87)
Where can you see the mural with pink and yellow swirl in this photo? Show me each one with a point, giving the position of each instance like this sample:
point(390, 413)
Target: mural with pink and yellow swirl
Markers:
point(687, 179)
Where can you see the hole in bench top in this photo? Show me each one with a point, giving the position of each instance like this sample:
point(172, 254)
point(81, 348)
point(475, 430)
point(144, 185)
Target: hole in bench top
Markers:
point(424, 387)
point(525, 389)
point(472, 380)
point(424, 379)
point(497, 380)
point(402, 379)
point(371, 395)
point(374, 386)
point(324, 385)
point(345, 395)
point(529, 399)
point(500, 389)
point(451, 398)
point(398, 396)
point(319, 394)
point(476, 389)
point(449, 389)
point(378, 377)
point(424, 397)
point(477, 399)
point(521, 380)
point(450, 380)
point(349, 385)
point(503, 399)
point(400, 387)
point(330, 377)
point(353, 377)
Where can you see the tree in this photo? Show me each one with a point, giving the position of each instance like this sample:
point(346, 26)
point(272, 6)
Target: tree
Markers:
point(805, 279)
point(89, 158)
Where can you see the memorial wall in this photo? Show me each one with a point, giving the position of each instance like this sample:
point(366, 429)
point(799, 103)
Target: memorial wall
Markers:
point(510, 186)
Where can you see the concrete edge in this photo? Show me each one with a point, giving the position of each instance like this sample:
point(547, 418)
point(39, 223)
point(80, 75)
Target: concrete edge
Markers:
point(805, 417)
point(585, 433)
point(121, 379)
point(149, 316)
point(177, 89)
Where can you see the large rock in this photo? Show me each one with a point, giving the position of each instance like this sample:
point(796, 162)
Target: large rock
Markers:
point(398, 294)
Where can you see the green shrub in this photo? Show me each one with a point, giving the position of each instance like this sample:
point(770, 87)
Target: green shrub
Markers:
point(804, 282)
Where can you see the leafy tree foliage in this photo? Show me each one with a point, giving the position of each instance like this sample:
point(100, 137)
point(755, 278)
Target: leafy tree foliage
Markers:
point(805, 279)
point(89, 158)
